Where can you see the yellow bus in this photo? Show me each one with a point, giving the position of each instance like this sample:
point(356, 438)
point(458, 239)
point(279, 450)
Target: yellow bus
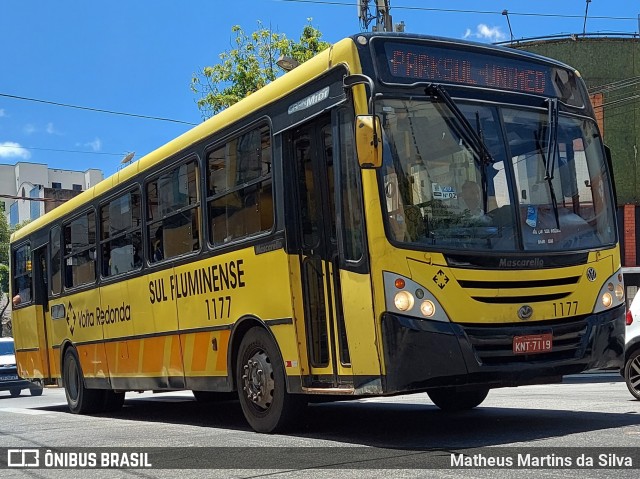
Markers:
point(399, 214)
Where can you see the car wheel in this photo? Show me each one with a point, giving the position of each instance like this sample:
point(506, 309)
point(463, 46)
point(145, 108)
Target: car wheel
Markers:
point(450, 399)
point(15, 392)
point(632, 374)
point(36, 389)
point(262, 389)
point(80, 399)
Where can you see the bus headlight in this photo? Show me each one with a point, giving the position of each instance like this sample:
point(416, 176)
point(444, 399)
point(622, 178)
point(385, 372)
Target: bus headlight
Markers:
point(611, 293)
point(405, 296)
point(607, 300)
point(404, 301)
point(619, 292)
point(428, 308)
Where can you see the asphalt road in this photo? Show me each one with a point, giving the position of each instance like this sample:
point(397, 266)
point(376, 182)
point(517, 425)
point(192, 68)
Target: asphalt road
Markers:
point(588, 415)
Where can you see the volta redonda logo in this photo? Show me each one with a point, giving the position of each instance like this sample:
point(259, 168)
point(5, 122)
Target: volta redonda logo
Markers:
point(88, 318)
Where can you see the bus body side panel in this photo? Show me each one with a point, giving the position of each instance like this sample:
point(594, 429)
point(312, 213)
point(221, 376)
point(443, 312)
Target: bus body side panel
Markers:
point(29, 342)
point(361, 335)
point(213, 294)
point(84, 330)
point(141, 313)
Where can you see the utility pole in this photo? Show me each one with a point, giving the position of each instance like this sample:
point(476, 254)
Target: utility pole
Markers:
point(382, 15)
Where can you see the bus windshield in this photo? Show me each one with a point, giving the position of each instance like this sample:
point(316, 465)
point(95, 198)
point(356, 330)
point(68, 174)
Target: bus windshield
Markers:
point(543, 187)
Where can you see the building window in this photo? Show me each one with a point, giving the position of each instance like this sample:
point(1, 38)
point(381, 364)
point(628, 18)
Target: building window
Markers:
point(76, 187)
point(56, 186)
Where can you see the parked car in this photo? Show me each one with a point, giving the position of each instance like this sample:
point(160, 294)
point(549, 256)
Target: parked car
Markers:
point(9, 379)
point(631, 370)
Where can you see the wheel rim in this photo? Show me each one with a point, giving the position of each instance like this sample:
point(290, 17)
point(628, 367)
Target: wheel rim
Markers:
point(634, 374)
point(258, 382)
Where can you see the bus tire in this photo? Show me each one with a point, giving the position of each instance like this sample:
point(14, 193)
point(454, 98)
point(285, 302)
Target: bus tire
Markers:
point(112, 400)
point(262, 388)
point(451, 399)
point(632, 374)
point(80, 399)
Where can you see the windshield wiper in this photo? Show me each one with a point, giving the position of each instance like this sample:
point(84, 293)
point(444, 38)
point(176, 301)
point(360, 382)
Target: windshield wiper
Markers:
point(549, 157)
point(473, 137)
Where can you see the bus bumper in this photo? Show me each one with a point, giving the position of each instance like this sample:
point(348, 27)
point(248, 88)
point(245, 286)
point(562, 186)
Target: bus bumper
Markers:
point(420, 354)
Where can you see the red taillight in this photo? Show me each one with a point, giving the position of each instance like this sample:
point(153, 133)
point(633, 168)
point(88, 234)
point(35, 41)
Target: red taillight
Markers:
point(629, 317)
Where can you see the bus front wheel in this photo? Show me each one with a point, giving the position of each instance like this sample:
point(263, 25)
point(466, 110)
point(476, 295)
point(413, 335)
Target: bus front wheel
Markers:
point(262, 389)
point(80, 399)
point(451, 399)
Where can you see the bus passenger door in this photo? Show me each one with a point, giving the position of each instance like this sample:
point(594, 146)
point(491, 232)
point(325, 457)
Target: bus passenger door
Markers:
point(41, 301)
point(311, 147)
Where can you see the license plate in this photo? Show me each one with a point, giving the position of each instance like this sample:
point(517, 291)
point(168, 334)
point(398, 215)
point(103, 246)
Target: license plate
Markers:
point(533, 343)
point(11, 377)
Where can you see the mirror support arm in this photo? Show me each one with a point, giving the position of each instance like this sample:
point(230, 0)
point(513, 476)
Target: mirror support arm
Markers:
point(349, 82)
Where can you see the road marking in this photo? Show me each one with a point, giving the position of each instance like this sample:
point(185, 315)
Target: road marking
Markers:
point(31, 412)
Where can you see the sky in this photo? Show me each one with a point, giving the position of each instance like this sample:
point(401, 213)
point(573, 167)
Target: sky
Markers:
point(138, 57)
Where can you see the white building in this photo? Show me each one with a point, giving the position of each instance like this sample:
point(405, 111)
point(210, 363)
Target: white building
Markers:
point(35, 180)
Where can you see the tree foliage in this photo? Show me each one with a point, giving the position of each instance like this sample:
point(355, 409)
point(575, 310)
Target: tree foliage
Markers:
point(5, 233)
point(250, 64)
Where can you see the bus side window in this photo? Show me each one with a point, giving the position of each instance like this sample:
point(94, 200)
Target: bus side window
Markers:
point(173, 226)
point(22, 276)
point(239, 189)
point(56, 273)
point(80, 250)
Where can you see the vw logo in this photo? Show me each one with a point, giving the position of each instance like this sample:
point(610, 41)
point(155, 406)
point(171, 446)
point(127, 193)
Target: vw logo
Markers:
point(591, 274)
point(525, 312)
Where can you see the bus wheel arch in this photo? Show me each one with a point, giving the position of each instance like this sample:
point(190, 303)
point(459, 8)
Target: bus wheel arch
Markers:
point(240, 329)
point(80, 399)
point(261, 382)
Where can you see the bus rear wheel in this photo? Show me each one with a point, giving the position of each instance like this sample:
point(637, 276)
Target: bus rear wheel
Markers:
point(262, 389)
point(451, 399)
point(80, 399)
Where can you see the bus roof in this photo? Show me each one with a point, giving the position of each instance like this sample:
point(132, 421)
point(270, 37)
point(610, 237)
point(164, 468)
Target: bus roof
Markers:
point(266, 95)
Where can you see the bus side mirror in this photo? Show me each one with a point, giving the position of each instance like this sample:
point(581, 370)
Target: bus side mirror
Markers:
point(368, 141)
point(607, 152)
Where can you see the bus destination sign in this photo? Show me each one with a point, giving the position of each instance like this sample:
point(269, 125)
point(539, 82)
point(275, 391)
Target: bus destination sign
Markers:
point(415, 62)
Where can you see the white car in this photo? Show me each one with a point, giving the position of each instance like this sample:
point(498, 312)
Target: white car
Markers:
point(9, 379)
point(631, 371)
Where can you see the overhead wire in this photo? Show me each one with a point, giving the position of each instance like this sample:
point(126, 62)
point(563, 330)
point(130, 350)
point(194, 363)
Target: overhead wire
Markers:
point(479, 12)
point(99, 110)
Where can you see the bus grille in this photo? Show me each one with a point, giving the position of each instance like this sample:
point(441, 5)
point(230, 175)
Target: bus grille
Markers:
point(494, 345)
point(514, 292)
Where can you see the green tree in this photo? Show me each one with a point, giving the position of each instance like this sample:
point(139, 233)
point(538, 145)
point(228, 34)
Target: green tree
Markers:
point(5, 233)
point(250, 65)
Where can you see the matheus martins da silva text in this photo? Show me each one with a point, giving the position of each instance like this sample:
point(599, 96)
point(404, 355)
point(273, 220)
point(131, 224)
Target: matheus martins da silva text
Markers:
point(529, 460)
